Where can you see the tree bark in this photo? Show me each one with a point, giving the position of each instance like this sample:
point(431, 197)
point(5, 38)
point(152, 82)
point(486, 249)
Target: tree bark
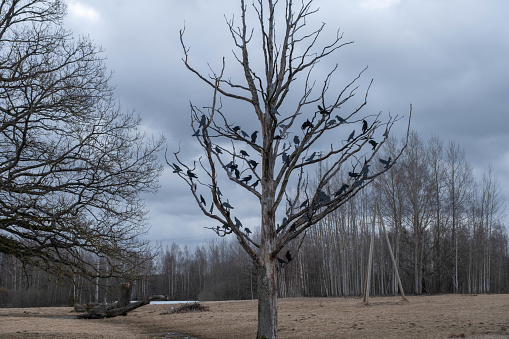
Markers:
point(267, 300)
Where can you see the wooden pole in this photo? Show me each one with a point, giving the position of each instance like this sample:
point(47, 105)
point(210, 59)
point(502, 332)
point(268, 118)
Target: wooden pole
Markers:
point(367, 284)
point(392, 255)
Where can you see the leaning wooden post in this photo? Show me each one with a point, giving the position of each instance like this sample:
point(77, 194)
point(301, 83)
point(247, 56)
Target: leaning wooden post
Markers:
point(392, 255)
point(367, 284)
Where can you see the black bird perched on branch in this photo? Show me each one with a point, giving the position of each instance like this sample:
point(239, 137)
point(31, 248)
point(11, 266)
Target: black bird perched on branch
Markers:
point(323, 198)
point(322, 110)
point(238, 224)
point(226, 227)
point(277, 137)
point(365, 170)
point(191, 175)
point(296, 140)
point(227, 206)
point(236, 129)
point(350, 137)
point(203, 120)
point(176, 168)
point(353, 174)
point(358, 183)
point(252, 163)
point(307, 124)
point(304, 204)
point(387, 162)
point(196, 134)
point(373, 143)
point(342, 189)
point(237, 173)
point(288, 256)
point(244, 134)
point(247, 178)
point(244, 153)
point(281, 262)
point(340, 119)
point(231, 166)
point(253, 136)
point(211, 208)
point(286, 159)
point(292, 228)
point(202, 200)
point(218, 150)
point(364, 126)
point(331, 122)
point(248, 231)
point(253, 185)
point(311, 157)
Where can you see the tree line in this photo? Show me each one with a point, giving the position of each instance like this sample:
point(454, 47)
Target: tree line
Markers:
point(445, 227)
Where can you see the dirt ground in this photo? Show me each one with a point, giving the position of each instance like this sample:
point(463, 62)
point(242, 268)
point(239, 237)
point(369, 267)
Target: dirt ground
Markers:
point(443, 316)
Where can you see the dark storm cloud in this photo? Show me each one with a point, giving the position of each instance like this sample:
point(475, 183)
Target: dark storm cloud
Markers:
point(447, 58)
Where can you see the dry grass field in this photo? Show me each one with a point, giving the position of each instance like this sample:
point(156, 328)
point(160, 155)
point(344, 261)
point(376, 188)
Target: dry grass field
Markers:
point(443, 316)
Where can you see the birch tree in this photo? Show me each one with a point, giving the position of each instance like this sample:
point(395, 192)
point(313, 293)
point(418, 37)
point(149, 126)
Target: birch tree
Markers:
point(294, 135)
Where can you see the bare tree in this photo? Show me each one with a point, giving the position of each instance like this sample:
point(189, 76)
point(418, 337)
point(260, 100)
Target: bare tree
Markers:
point(272, 168)
point(72, 164)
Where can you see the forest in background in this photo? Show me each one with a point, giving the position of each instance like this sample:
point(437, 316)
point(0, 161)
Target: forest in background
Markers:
point(445, 224)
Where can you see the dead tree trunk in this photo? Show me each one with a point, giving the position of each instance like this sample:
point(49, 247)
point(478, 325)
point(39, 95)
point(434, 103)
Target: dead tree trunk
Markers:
point(267, 300)
point(102, 311)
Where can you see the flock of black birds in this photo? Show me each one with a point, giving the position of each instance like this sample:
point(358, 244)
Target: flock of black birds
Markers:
point(321, 198)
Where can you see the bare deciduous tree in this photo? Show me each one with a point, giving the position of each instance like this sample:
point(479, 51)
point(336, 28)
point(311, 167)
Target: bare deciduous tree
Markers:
point(72, 164)
point(272, 167)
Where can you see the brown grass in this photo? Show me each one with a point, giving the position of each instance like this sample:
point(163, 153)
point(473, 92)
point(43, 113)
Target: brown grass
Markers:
point(444, 316)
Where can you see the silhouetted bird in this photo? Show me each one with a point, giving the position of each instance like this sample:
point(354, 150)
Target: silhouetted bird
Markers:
point(331, 122)
point(202, 200)
point(387, 162)
point(365, 170)
point(342, 189)
point(252, 163)
point(237, 173)
point(353, 174)
point(373, 143)
point(247, 178)
point(274, 110)
point(211, 208)
point(191, 175)
point(286, 159)
point(307, 124)
point(248, 231)
point(323, 198)
point(218, 191)
point(288, 256)
point(292, 228)
point(244, 153)
point(358, 183)
point(281, 262)
point(227, 206)
point(255, 183)
point(176, 168)
point(296, 140)
point(253, 136)
point(238, 224)
point(340, 119)
point(311, 157)
point(322, 110)
point(203, 120)
point(226, 227)
point(386, 133)
point(197, 133)
point(236, 129)
point(277, 137)
point(350, 137)
point(218, 150)
point(364, 126)
point(244, 134)
point(304, 204)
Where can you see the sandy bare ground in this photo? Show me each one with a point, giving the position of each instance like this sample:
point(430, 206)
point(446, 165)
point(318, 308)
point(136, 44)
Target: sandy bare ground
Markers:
point(444, 316)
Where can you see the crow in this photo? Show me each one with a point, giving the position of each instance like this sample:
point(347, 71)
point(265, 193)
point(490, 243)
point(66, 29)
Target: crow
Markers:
point(387, 162)
point(311, 157)
point(322, 110)
point(244, 134)
point(252, 163)
point(253, 185)
point(202, 200)
point(304, 204)
point(342, 189)
point(286, 159)
point(353, 174)
point(176, 168)
point(350, 137)
point(358, 183)
point(236, 129)
point(364, 126)
point(307, 124)
point(296, 140)
point(253, 136)
point(323, 198)
point(277, 137)
point(331, 122)
point(197, 133)
point(237, 173)
point(373, 143)
point(211, 208)
point(203, 120)
point(248, 231)
point(191, 175)
point(238, 224)
point(340, 119)
point(247, 178)
point(281, 262)
point(244, 153)
point(365, 170)
point(218, 150)
point(288, 256)
point(292, 228)
point(227, 206)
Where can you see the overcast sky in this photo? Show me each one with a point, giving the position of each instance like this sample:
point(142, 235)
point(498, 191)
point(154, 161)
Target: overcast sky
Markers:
point(448, 58)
